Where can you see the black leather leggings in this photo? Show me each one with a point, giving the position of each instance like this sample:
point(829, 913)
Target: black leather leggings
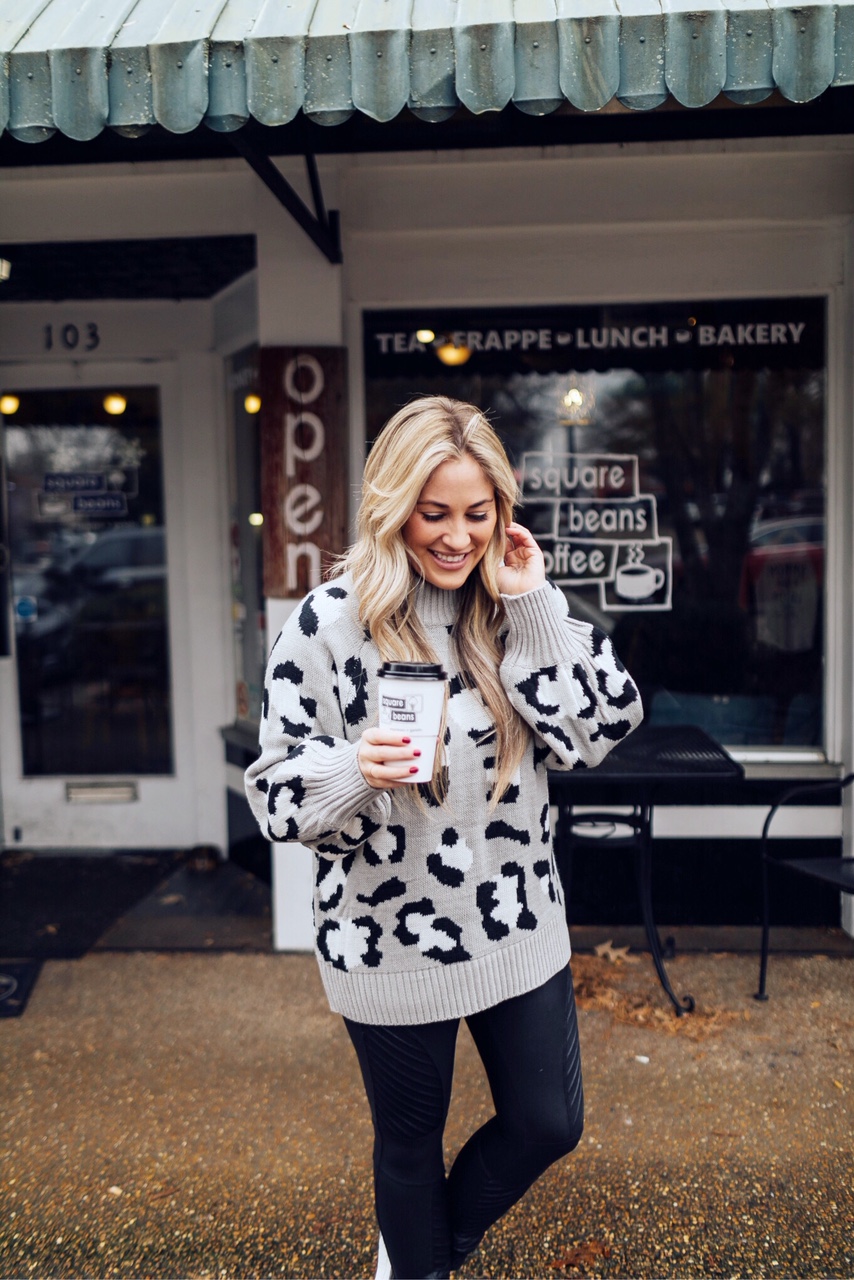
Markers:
point(529, 1047)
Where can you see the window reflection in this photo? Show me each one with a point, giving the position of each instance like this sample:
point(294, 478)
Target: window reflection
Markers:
point(87, 540)
point(719, 617)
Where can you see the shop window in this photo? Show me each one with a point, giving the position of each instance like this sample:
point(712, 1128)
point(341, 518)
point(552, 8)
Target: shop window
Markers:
point(87, 543)
point(247, 594)
point(671, 459)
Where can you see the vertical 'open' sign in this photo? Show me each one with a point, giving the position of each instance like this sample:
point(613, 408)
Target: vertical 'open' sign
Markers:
point(304, 465)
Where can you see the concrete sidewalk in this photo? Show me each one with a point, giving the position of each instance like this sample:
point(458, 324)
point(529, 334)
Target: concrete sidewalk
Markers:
point(186, 1115)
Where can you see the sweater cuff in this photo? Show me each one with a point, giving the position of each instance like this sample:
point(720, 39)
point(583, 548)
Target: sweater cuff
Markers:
point(537, 627)
point(339, 784)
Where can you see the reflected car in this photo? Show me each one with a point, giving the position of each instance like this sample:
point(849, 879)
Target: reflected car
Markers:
point(119, 579)
point(782, 581)
point(119, 557)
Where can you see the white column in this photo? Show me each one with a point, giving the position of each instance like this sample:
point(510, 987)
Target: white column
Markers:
point(299, 301)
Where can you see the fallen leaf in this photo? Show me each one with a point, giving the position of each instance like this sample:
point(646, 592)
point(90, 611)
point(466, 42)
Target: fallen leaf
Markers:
point(607, 951)
point(838, 1084)
point(583, 1255)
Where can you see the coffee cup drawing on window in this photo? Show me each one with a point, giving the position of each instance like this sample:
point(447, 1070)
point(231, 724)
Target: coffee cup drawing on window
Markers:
point(638, 581)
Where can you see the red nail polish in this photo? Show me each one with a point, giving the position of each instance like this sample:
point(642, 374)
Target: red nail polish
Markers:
point(406, 741)
point(414, 769)
point(416, 752)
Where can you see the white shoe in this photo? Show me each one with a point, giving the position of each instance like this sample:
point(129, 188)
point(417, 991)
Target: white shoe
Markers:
point(383, 1262)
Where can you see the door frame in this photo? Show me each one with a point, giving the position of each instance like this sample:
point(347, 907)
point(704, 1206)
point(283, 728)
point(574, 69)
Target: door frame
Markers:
point(36, 811)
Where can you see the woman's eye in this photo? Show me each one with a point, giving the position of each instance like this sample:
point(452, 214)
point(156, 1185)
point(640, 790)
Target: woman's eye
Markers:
point(479, 516)
point(432, 517)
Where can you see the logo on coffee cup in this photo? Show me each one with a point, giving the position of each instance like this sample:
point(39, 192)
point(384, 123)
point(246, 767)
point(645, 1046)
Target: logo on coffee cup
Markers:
point(402, 710)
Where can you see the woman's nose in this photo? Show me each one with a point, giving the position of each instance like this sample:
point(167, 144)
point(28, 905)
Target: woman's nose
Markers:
point(457, 535)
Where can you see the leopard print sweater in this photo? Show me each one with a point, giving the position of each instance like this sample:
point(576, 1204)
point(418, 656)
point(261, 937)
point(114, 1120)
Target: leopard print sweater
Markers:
point(431, 911)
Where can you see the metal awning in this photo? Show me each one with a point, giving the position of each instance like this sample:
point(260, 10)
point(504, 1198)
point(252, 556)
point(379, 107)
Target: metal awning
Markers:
point(79, 66)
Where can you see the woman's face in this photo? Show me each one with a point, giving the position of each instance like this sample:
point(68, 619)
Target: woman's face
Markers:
point(453, 521)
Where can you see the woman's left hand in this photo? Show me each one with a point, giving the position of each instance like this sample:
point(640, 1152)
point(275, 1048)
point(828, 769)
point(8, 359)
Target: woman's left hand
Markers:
point(524, 568)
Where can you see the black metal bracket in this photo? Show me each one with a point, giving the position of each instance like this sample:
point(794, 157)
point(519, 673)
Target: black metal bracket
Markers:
point(323, 227)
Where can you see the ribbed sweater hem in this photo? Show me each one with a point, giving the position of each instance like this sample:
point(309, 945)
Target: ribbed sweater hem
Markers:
point(449, 991)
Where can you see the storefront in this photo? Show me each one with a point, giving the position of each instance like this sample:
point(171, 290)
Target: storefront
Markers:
point(661, 329)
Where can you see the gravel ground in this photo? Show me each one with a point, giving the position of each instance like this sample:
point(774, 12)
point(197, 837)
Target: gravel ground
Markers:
point(201, 1116)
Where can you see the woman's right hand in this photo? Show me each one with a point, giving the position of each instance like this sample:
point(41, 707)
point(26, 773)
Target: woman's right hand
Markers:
point(386, 759)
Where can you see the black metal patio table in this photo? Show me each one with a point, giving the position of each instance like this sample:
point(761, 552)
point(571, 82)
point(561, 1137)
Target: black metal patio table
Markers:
point(635, 771)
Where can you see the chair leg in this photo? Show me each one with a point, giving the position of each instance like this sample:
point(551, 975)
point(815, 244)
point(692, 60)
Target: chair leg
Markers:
point(761, 994)
point(643, 871)
point(563, 853)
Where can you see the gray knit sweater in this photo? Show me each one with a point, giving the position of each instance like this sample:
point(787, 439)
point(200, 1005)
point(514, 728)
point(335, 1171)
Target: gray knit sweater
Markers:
point(433, 911)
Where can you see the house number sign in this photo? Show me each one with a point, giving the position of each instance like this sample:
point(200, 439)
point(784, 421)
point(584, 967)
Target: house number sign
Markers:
point(71, 337)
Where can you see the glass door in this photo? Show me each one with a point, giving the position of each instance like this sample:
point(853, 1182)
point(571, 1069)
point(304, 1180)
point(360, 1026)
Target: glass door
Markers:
point(87, 540)
point(87, 707)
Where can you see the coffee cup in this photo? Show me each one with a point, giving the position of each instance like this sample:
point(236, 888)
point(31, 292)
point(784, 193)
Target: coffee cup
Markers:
point(637, 581)
point(412, 701)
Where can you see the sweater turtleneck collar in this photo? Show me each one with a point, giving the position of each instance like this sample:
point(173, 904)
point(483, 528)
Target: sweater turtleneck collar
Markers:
point(435, 606)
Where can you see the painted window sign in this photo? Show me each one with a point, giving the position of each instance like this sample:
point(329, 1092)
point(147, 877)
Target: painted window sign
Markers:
point(595, 527)
point(770, 332)
point(671, 463)
point(99, 494)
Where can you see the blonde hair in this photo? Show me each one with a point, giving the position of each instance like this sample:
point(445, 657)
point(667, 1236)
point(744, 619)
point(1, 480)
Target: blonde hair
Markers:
point(412, 444)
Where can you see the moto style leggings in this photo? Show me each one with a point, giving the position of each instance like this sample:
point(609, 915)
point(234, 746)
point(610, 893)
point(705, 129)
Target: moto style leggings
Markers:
point(529, 1047)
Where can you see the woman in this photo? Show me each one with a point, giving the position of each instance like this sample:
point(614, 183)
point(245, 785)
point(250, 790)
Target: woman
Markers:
point(441, 901)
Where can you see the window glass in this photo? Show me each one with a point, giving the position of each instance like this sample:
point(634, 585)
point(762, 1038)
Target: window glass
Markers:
point(671, 459)
point(86, 535)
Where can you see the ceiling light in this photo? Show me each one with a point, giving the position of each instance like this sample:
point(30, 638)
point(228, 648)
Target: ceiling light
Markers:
point(5, 269)
point(449, 354)
point(252, 403)
point(115, 403)
point(425, 335)
point(256, 519)
point(9, 404)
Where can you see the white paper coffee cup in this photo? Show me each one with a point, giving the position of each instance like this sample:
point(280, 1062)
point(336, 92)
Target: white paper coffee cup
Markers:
point(411, 701)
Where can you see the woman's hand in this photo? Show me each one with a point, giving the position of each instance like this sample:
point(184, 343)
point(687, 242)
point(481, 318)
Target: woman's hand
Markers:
point(524, 568)
point(386, 759)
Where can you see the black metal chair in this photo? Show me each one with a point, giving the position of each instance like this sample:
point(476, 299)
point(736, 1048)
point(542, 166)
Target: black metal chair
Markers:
point(835, 871)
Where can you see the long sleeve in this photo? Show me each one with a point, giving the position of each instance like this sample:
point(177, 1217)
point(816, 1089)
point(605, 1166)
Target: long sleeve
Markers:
point(565, 680)
point(306, 784)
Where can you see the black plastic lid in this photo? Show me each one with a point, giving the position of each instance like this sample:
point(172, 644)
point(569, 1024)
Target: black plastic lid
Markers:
point(412, 671)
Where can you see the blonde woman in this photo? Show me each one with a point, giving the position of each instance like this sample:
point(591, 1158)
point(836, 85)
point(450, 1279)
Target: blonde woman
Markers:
point(441, 901)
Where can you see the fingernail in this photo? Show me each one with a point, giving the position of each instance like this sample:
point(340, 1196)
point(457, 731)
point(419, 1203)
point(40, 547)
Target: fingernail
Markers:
point(406, 741)
point(416, 752)
point(414, 769)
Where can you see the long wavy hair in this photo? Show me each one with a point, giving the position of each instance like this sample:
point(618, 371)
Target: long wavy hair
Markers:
point(413, 443)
